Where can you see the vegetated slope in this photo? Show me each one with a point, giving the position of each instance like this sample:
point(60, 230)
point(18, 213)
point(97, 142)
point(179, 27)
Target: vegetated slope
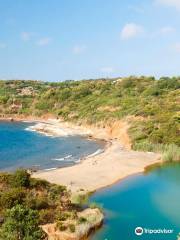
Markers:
point(153, 103)
point(27, 203)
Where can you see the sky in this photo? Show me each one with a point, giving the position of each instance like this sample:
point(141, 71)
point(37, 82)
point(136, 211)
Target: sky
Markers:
point(55, 40)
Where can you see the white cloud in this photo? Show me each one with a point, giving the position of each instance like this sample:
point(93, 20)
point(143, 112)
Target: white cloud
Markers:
point(26, 36)
point(2, 45)
point(107, 70)
point(169, 3)
point(78, 49)
point(167, 30)
point(44, 41)
point(176, 47)
point(131, 30)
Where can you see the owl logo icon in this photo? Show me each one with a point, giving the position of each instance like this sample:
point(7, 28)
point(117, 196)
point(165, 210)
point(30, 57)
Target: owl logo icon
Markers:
point(139, 231)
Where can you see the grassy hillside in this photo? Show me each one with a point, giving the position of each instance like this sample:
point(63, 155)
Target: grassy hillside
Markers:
point(154, 105)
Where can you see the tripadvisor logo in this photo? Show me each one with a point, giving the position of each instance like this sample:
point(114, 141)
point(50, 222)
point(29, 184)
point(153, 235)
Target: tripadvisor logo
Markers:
point(139, 231)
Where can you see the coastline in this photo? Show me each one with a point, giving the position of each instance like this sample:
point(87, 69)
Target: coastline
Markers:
point(94, 172)
point(115, 163)
point(101, 170)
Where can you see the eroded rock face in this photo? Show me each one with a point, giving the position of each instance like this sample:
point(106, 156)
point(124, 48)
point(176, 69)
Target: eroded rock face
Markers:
point(90, 219)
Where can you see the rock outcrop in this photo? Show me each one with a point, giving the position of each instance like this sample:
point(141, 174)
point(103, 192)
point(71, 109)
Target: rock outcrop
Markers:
point(89, 220)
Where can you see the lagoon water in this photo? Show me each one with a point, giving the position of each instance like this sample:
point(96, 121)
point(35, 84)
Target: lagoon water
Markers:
point(149, 201)
point(22, 148)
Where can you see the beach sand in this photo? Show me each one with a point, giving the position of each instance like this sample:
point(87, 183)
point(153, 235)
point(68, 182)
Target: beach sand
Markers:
point(95, 172)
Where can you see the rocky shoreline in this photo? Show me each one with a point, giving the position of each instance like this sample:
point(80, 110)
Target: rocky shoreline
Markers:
point(92, 219)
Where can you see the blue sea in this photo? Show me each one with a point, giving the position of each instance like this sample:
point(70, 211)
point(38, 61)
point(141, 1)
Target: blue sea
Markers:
point(22, 148)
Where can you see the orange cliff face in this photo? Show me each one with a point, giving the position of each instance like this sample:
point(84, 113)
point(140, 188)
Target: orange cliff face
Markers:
point(119, 130)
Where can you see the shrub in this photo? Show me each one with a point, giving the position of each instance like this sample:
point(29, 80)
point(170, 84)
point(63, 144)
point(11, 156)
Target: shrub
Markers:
point(21, 223)
point(61, 226)
point(82, 220)
point(128, 82)
point(21, 178)
point(36, 202)
point(5, 178)
point(39, 183)
point(12, 197)
point(46, 216)
point(80, 199)
point(72, 228)
point(42, 203)
point(56, 191)
point(63, 216)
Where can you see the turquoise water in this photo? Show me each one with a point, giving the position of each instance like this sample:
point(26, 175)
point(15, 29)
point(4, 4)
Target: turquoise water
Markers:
point(22, 148)
point(150, 201)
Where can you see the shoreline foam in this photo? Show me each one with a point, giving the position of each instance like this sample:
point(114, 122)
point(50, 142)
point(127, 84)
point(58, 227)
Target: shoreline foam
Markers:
point(114, 163)
point(104, 168)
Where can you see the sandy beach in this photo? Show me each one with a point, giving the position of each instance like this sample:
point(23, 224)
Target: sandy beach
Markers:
point(95, 172)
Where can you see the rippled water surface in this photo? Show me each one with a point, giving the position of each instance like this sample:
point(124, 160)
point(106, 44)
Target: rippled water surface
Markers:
point(22, 148)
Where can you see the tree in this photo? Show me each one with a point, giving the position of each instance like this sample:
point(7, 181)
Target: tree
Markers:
point(21, 223)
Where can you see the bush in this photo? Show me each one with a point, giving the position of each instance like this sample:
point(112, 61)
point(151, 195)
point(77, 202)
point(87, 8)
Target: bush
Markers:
point(42, 203)
point(61, 226)
point(46, 216)
point(63, 216)
point(72, 228)
point(82, 220)
point(56, 191)
point(37, 203)
point(21, 223)
point(21, 178)
point(80, 199)
point(12, 197)
point(5, 178)
point(39, 183)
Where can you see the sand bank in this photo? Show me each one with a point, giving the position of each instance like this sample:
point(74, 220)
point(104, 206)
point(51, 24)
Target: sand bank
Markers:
point(115, 163)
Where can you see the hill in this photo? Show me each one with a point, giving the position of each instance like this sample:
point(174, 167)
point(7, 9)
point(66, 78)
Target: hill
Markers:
point(151, 106)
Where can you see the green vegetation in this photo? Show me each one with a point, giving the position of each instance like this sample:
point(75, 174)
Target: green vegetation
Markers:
point(27, 203)
point(171, 153)
point(21, 223)
point(154, 105)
